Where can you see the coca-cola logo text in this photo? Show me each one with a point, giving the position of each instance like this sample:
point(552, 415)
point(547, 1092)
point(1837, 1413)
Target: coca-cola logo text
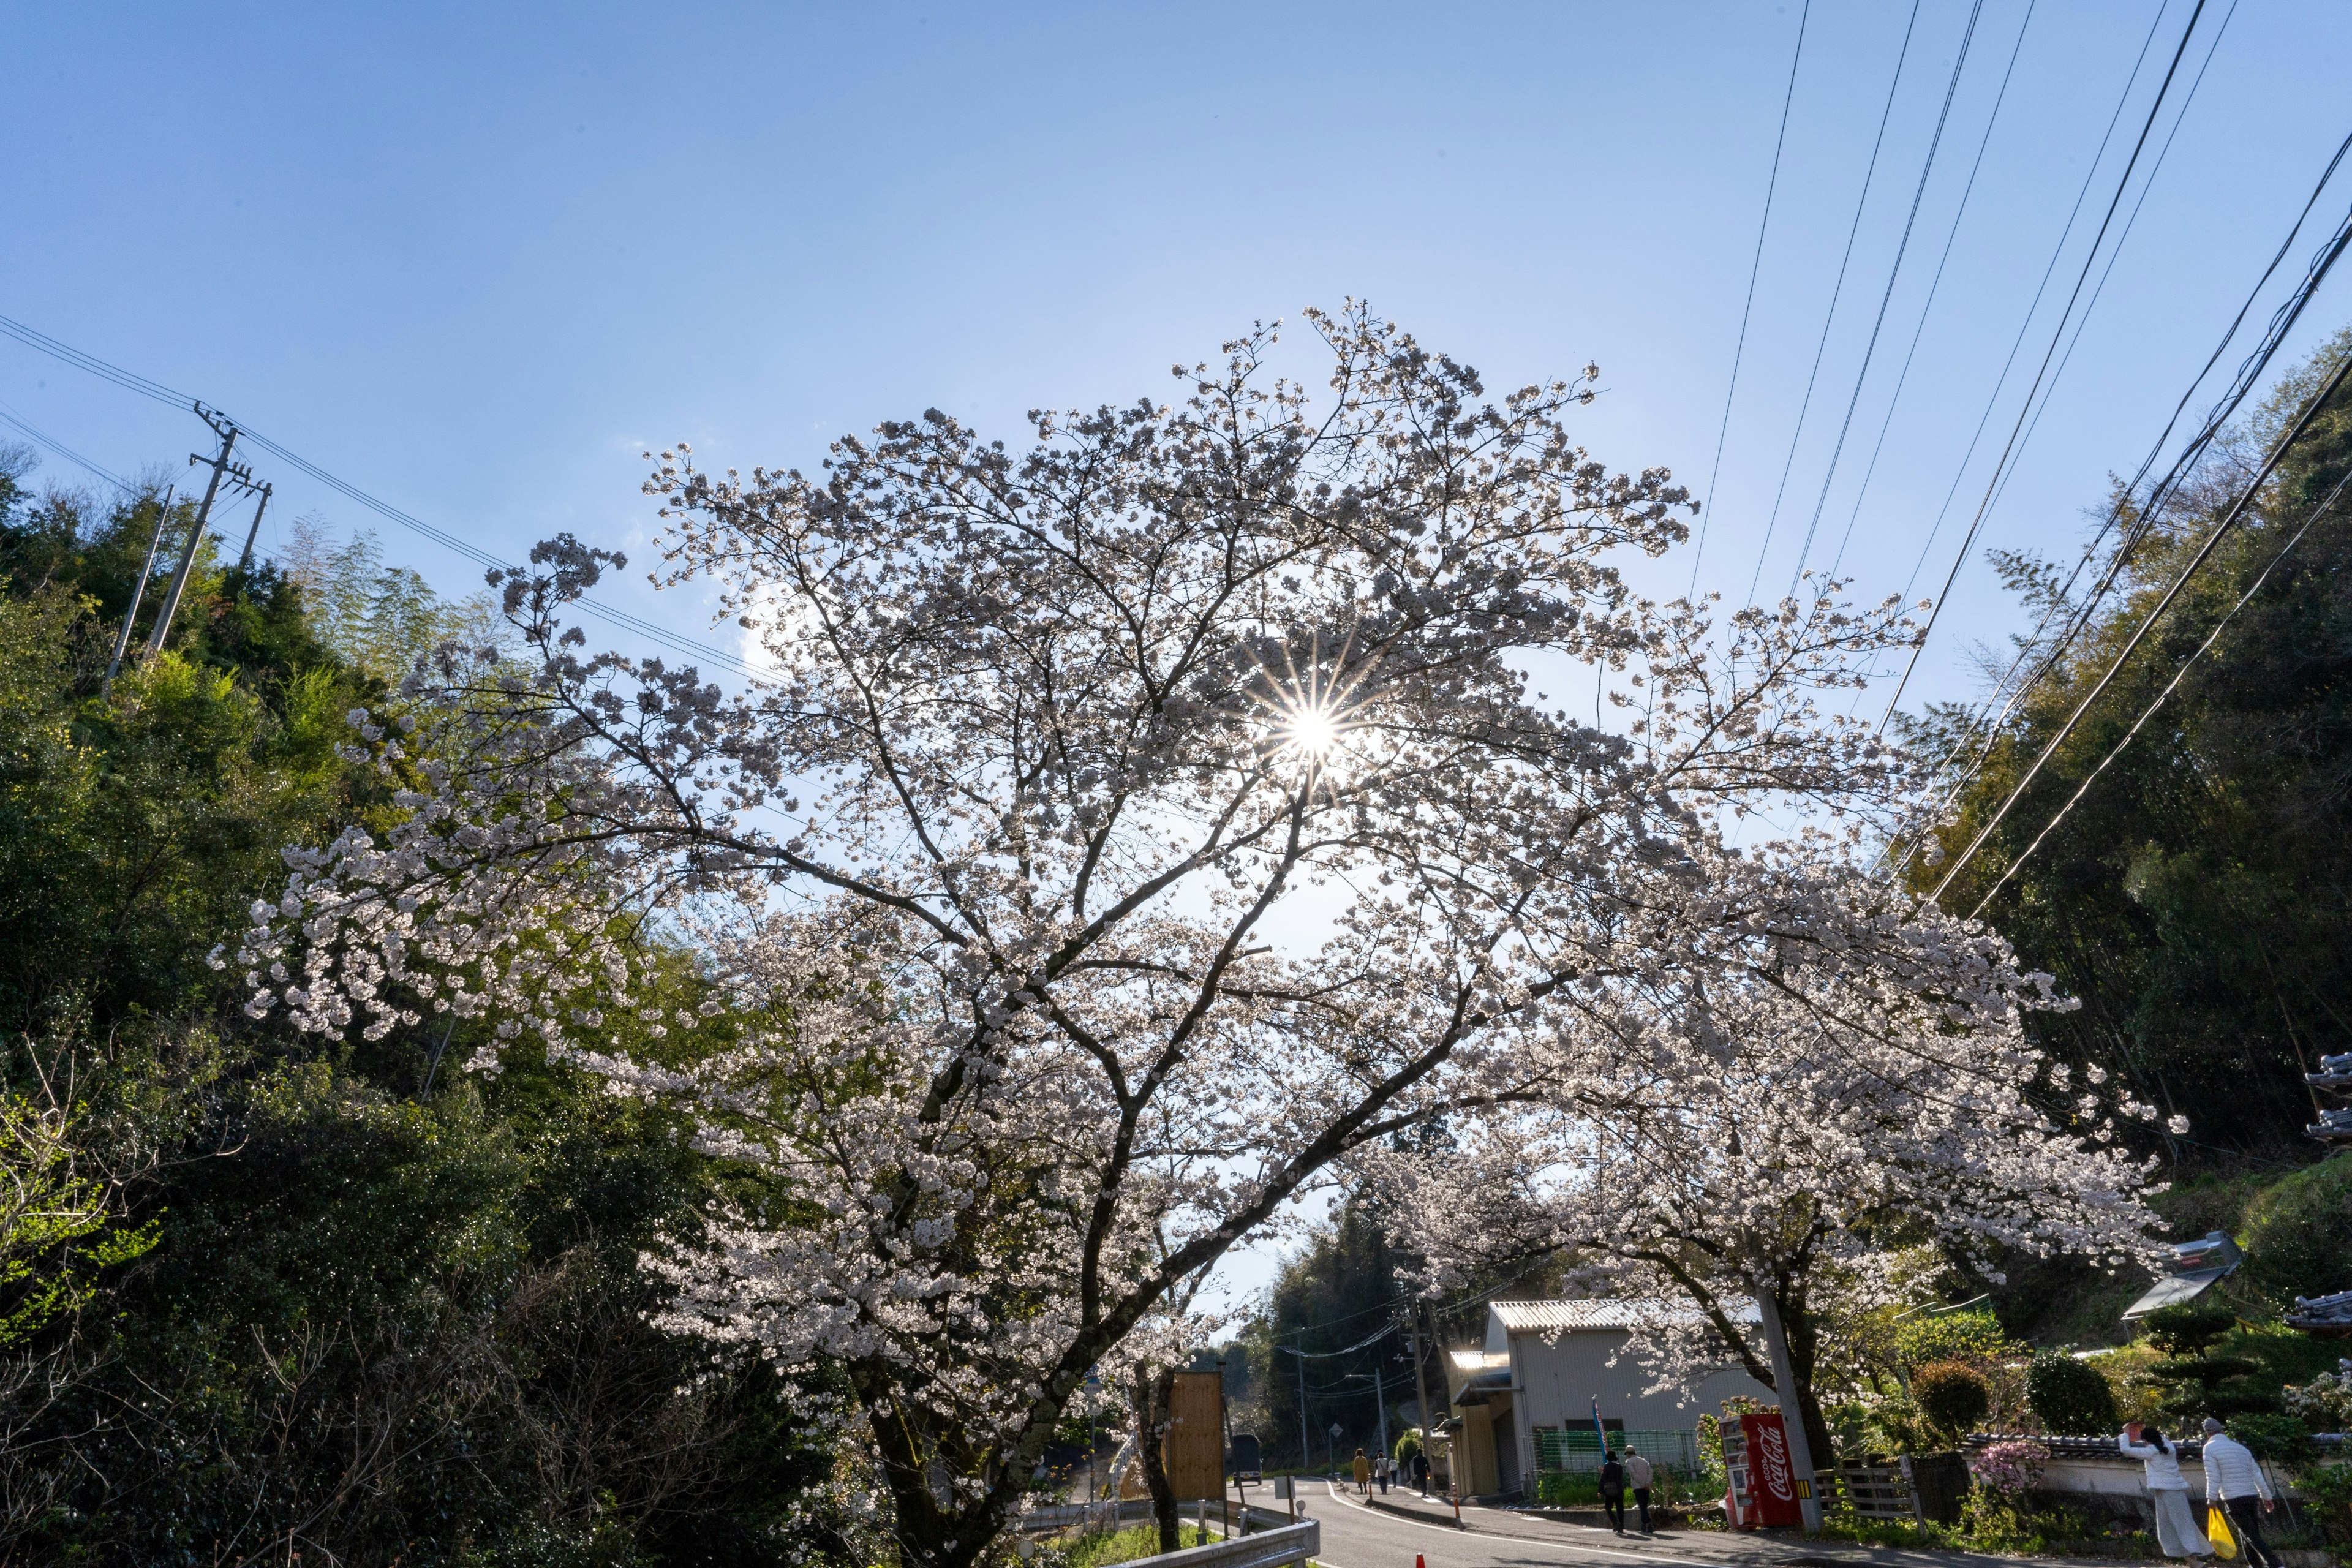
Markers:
point(1775, 1446)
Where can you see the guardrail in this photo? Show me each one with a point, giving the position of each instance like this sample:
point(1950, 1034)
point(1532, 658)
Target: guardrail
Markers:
point(1262, 1537)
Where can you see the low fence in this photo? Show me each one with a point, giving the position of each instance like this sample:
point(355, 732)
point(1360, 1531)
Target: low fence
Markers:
point(1257, 1537)
point(1577, 1451)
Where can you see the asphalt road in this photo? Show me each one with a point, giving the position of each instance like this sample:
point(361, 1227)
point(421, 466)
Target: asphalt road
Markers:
point(1356, 1536)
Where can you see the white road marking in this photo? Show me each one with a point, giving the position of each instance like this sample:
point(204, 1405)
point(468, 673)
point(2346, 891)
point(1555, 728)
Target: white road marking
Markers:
point(1519, 1539)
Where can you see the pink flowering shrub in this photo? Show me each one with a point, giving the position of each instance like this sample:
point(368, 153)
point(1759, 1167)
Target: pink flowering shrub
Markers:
point(2012, 1467)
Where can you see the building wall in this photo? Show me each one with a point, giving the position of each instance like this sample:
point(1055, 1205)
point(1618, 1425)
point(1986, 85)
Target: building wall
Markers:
point(1558, 1382)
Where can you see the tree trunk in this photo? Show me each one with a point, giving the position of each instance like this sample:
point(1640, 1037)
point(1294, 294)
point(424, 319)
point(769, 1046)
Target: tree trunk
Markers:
point(1153, 1392)
point(935, 1526)
point(1804, 1342)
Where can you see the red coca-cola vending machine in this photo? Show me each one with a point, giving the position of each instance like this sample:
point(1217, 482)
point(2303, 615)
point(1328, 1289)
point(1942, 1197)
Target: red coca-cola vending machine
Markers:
point(1764, 1489)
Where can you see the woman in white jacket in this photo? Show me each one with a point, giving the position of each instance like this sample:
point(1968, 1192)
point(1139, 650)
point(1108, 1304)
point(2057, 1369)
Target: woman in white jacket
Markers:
point(2176, 1522)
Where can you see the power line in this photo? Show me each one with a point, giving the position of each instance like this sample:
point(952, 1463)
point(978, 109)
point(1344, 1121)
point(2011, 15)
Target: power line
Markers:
point(1887, 297)
point(1755, 265)
point(1993, 399)
point(2249, 374)
point(2177, 676)
point(145, 387)
point(2278, 451)
point(1968, 539)
point(1904, 377)
point(27, 426)
point(2115, 255)
point(1836, 291)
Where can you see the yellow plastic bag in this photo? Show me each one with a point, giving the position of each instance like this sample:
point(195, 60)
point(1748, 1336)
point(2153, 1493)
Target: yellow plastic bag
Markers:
point(2217, 1531)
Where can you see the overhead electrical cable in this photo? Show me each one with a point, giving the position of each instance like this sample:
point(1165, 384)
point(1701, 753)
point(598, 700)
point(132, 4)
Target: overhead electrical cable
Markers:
point(2177, 676)
point(1904, 377)
point(2057, 252)
point(132, 382)
point(1886, 296)
point(2245, 497)
point(1837, 290)
point(2114, 253)
point(41, 437)
point(1968, 539)
point(2147, 509)
point(1755, 264)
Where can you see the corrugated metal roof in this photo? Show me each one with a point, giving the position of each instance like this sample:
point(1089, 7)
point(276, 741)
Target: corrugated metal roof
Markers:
point(1544, 1317)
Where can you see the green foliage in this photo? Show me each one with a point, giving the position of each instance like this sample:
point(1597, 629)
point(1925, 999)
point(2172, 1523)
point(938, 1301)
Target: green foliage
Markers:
point(1407, 1445)
point(1952, 1397)
point(2281, 1436)
point(2298, 1231)
point(2071, 1396)
point(2195, 899)
point(2189, 1328)
point(2201, 1381)
point(1973, 1337)
point(271, 1299)
point(1101, 1548)
point(2322, 1404)
point(57, 1223)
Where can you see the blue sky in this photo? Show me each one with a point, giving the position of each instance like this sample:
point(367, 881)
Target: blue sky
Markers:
point(475, 259)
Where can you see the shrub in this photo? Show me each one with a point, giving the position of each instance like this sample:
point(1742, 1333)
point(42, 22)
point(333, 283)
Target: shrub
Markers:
point(2011, 1468)
point(1951, 1396)
point(2281, 1437)
point(2071, 1396)
point(2298, 1231)
point(1975, 1336)
point(2323, 1404)
point(1407, 1446)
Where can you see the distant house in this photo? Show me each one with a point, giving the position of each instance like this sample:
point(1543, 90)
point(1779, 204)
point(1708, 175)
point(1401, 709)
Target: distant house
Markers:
point(1541, 1368)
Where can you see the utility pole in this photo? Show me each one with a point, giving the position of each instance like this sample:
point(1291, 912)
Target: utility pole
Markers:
point(253, 532)
point(1381, 1403)
point(1421, 1393)
point(220, 466)
point(1792, 1408)
point(1420, 1379)
point(138, 591)
point(1306, 1459)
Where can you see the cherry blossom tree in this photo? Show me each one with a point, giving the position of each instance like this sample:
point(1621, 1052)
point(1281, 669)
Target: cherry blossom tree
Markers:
point(1747, 1141)
point(1183, 814)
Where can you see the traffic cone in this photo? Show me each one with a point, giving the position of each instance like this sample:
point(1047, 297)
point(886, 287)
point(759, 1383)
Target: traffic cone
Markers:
point(1417, 1563)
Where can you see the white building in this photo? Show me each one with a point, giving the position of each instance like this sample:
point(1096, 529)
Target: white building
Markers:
point(1544, 1365)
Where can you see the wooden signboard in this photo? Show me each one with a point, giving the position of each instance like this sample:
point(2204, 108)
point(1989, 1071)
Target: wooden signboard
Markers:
point(1194, 1450)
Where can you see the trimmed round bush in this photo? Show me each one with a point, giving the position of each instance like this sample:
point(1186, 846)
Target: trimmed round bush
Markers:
point(2071, 1396)
point(1951, 1396)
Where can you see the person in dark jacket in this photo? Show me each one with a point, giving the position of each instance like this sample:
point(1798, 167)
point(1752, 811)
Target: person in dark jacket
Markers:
point(1613, 1490)
point(1421, 1472)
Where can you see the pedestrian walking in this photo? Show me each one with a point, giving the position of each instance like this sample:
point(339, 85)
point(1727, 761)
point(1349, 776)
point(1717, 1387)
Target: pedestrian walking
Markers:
point(1613, 1490)
point(2175, 1524)
point(1421, 1471)
point(1382, 1469)
point(2234, 1483)
point(1363, 1475)
point(1638, 1476)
